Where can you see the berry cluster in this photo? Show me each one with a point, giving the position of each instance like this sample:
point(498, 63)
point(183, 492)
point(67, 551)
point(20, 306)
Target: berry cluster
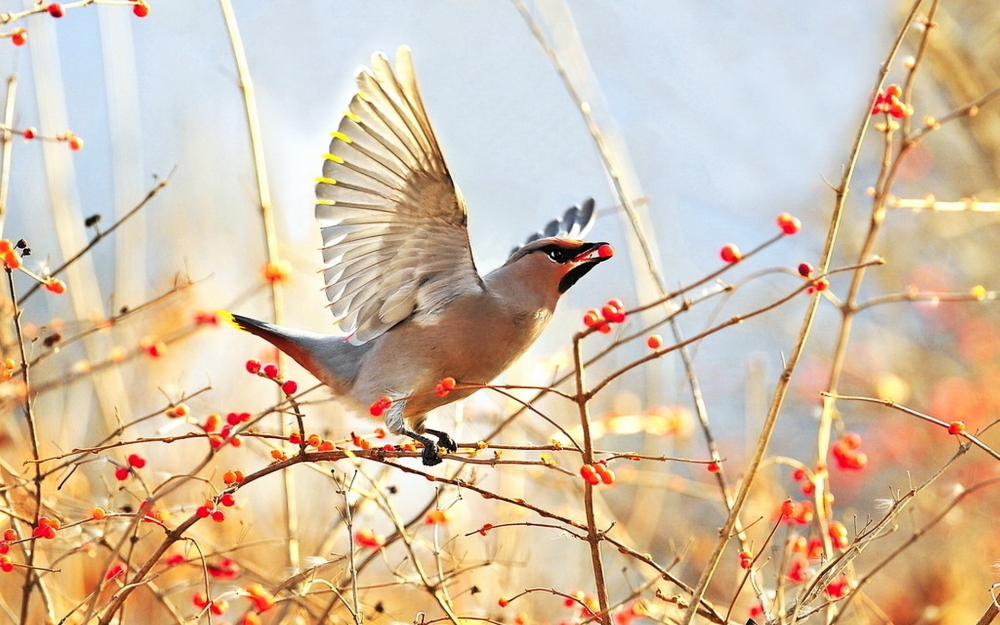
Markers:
point(888, 102)
point(846, 452)
point(271, 372)
point(611, 313)
point(597, 473)
point(444, 387)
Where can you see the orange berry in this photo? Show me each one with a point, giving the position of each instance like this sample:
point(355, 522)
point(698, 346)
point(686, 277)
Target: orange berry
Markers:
point(261, 598)
point(276, 271)
point(788, 223)
point(730, 253)
point(503, 602)
point(655, 341)
point(956, 427)
point(98, 513)
point(75, 143)
point(55, 285)
point(591, 318)
point(20, 37)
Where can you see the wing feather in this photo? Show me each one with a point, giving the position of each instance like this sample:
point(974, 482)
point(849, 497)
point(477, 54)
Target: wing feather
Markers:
point(395, 243)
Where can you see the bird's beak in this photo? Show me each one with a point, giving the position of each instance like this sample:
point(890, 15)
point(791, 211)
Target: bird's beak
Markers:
point(594, 252)
point(588, 256)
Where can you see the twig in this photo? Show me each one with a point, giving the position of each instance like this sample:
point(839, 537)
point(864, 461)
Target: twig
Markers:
point(8, 148)
point(784, 381)
point(270, 243)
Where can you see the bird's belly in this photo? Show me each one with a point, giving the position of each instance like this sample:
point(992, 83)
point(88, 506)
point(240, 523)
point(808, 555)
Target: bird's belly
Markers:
point(414, 361)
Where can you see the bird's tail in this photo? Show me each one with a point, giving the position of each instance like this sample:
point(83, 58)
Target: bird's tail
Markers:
point(331, 359)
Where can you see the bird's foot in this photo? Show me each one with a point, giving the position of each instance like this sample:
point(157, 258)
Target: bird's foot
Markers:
point(429, 455)
point(444, 440)
point(431, 451)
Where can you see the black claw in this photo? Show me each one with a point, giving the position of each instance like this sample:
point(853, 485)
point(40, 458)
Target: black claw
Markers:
point(444, 440)
point(430, 452)
point(430, 455)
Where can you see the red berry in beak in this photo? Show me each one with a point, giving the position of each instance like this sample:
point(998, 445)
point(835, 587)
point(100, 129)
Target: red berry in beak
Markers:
point(605, 251)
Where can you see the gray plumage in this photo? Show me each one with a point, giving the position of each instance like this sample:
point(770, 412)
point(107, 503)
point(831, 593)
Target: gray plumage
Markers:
point(402, 286)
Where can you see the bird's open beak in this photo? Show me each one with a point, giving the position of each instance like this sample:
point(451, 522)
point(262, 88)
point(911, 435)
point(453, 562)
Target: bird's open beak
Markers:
point(595, 252)
point(588, 257)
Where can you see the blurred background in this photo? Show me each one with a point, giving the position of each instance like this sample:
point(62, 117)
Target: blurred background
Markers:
point(722, 116)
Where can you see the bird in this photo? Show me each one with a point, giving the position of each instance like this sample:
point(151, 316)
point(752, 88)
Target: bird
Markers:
point(409, 304)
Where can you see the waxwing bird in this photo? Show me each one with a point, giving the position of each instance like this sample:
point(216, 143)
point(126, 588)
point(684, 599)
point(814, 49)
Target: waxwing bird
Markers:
point(404, 291)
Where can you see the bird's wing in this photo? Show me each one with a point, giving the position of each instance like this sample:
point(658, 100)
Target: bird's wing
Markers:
point(575, 223)
point(395, 242)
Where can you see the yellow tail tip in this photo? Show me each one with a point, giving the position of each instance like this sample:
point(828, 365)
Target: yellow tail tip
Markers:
point(227, 317)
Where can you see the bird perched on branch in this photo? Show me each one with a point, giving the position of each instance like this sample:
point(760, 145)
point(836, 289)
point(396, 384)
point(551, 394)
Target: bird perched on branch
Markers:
point(399, 273)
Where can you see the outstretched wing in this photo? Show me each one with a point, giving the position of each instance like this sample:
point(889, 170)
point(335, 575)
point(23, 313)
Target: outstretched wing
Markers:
point(395, 242)
point(575, 223)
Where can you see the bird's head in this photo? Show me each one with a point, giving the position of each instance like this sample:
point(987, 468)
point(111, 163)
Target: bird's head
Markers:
point(556, 262)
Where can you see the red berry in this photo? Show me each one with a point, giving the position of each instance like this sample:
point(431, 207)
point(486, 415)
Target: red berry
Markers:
point(28, 133)
point(789, 224)
point(893, 91)
point(271, 371)
point(75, 143)
point(227, 500)
point(591, 319)
point(805, 270)
point(798, 474)
point(289, 387)
point(218, 516)
point(612, 314)
point(253, 366)
point(503, 602)
point(137, 461)
point(203, 512)
point(956, 427)
point(55, 10)
point(122, 473)
point(605, 328)
point(655, 341)
point(55, 285)
point(20, 37)
point(714, 466)
point(605, 251)
point(380, 405)
point(616, 303)
point(788, 508)
point(730, 253)
point(141, 9)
